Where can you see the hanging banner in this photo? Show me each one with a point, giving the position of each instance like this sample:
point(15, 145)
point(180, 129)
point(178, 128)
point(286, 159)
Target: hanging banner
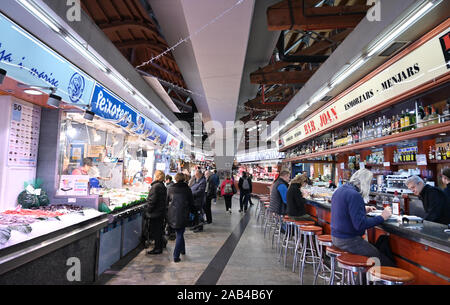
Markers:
point(422, 65)
point(29, 61)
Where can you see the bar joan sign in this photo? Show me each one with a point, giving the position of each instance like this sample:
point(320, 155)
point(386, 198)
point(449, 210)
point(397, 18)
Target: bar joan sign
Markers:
point(420, 66)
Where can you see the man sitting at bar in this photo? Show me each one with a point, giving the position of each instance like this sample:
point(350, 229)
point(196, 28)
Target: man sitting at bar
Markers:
point(435, 202)
point(278, 200)
point(348, 217)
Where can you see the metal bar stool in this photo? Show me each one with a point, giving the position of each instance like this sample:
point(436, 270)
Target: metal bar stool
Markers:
point(262, 212)
point(277, 224)
point(333, 253)
point(309, 233)
point(382, 275)
point(322, 241)
point(290, 238)
point(260, 205)
point(298, 242)
point(266, 218)
point(351, 264)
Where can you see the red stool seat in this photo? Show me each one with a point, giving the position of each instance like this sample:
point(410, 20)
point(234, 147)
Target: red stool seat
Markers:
point(317, 230)
point(335, 250)
point(391, 274)
point(354, 260)
point(324, 238)
point(304, 222)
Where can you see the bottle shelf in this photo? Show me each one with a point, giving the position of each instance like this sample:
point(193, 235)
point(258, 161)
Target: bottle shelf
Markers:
point(439, 161)
point(427, 131)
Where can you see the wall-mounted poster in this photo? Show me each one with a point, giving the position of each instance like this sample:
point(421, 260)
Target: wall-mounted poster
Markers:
point(73, 185)
point(24, 135)
point(76, 153)
point(94, 151)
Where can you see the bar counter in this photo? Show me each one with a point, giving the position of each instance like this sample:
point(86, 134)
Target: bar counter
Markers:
point(421, 248)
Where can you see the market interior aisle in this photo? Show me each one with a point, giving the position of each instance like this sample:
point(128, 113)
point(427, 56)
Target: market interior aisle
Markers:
point(231, 250)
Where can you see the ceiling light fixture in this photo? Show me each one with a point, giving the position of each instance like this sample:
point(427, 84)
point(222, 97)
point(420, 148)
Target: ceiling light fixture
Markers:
point(35, 10)
point(54, 100)
point(83, 51)
point(409, 20)
point(32, 92)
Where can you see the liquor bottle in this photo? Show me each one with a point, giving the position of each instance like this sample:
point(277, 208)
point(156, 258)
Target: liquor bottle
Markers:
point(446, 112)
point(406, 121)
point(438, 154)
point(426, 117)
point(444, 153)
point(402, 121)
point(431, 154)
point(379, 128)
point(397, 124)
point(395, 156)
point(396, 204)
point(420, 116)
point(413, 120)
point(434, 117)
point(447, 151)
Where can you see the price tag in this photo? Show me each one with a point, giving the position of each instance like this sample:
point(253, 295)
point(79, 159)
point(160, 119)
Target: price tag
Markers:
point(421, 159)
point(342, 165)
point(361, 165)
point(386, 164)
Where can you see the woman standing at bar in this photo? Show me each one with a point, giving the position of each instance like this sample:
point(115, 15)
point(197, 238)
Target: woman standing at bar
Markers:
point(348, 217)
point(180, 202)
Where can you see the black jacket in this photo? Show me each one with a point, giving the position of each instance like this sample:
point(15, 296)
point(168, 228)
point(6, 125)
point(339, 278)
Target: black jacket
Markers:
point(241, 181)
point(276, 201)
point(295, 201)
point(198, 191)
point(180, 202)
point(436, 204)
point(211, 187)
point(156, 200)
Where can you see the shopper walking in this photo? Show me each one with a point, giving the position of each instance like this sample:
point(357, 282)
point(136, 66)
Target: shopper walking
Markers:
point(198, 191)
point(245, 189)
point(180, 202)
point(227, 190)
point(156, 211)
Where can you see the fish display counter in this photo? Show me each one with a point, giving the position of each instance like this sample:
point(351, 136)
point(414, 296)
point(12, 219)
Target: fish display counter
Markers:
point(55, 237)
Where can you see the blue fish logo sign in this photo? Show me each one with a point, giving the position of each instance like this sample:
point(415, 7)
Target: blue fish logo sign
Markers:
point(76, 87)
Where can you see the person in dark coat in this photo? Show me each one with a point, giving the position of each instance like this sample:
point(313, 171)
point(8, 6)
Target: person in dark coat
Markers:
point(210, 193)
point(198, 191)
point(348, 217)
point(216, 180)
point(245, 189)
point(295, 200)
point(278, 192)
point(446, 181)
point(156, 211)
point(180, 202)
point(435, 202)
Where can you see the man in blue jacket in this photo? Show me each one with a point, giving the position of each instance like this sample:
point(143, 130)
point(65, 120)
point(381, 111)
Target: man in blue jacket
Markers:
point(348, 217)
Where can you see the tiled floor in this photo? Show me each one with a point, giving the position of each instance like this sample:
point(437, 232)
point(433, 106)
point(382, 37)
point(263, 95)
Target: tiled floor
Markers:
point(252, 262)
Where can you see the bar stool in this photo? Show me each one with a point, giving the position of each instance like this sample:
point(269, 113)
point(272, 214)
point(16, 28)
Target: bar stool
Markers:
point(290, 238)
point(260, 205)
point(265, 217)
point(308, 232)
point(333, 253)
point(351, 264)
point(276, 226)
point(382, 275)
point(322, 241)
point(298, 242)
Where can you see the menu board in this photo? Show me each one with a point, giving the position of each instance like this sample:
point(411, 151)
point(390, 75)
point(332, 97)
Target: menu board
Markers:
point(24, 135)
point(73, 185)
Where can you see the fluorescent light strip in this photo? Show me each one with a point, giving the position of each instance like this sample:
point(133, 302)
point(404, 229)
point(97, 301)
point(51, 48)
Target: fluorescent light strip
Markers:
point(83, 51)
point(36, 11)
point(409, 20)
point(352, 68)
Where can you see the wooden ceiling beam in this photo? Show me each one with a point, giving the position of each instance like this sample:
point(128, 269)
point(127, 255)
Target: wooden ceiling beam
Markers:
point(332, 17)
point(284, 77)
point(321, 46)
